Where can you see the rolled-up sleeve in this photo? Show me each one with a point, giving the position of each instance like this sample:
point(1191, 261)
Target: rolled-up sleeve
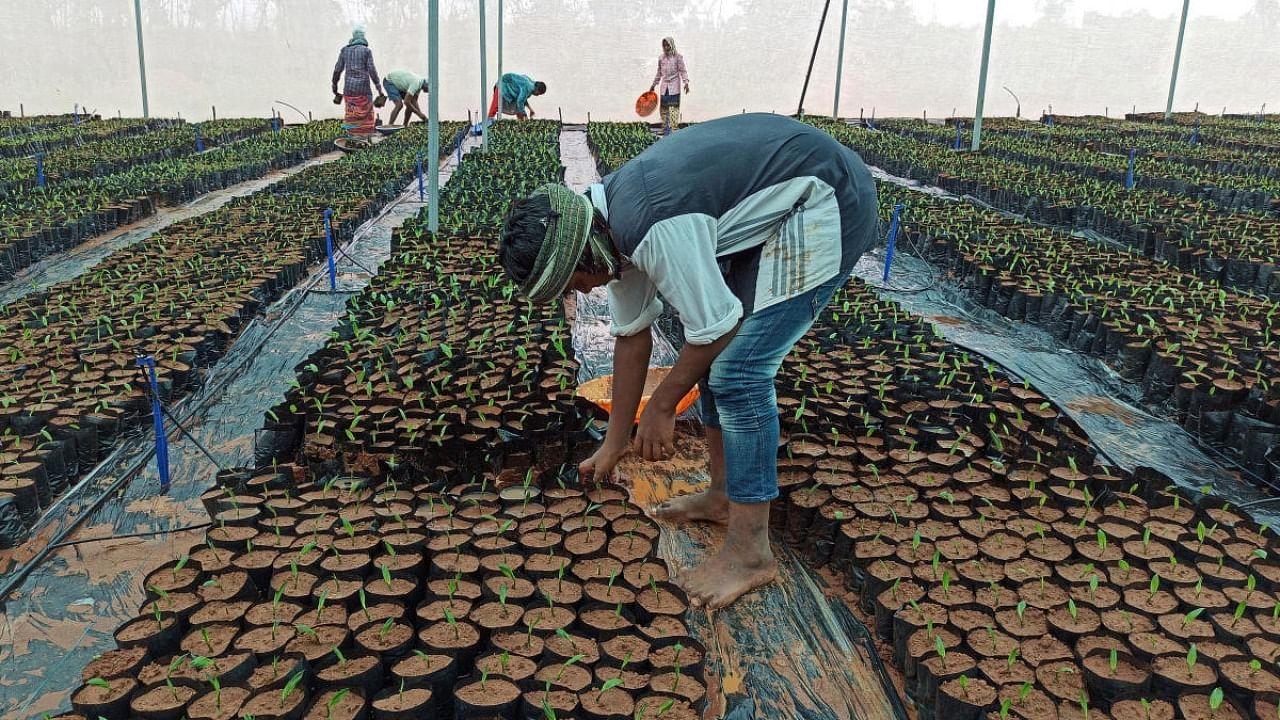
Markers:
point(633, 303)
point(679, 254)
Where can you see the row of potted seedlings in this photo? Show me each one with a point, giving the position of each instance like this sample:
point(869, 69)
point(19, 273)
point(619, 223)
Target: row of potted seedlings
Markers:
point(439, 355)
point(351, 598)
point(1212, 355)
point(460, 589)
point(24, 136)
point(1170, 144)
point(613, 144)
point(70, 385)
point(1009, 572)
point(39, 222)
point(1238, 249)
point(116, 153)
point(1231, 191)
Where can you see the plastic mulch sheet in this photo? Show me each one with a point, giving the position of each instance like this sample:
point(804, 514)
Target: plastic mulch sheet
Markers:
point(785, 651)
point(64, 610)
point(1106, 406)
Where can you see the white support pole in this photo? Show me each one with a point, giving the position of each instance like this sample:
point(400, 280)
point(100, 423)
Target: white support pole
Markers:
point(484, 76)
point(844, 21)
point(433, 113)
point(982, 76)
point(1177, 58)
point(142, 60)
point(501, 11)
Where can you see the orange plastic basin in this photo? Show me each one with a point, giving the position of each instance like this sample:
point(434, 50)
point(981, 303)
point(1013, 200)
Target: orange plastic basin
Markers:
point(600, 392)
point(646, 104)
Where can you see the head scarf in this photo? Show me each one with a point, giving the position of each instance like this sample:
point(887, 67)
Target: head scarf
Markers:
point(357, 36)
point(671, 43)
point(569, 234)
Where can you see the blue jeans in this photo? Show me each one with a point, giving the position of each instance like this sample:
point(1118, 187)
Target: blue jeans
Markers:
point(738, 396)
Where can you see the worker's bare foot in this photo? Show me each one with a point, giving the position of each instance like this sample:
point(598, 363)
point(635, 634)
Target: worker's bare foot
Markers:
point(730, 574)
point(705, 506)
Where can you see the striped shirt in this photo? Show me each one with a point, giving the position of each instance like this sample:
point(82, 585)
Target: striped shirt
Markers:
point(732, 216)
point(357, 62)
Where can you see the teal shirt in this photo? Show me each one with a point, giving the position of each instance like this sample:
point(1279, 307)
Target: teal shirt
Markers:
point(516, 89)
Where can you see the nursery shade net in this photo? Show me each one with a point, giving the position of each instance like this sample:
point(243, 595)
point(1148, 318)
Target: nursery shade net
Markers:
point(903, 57)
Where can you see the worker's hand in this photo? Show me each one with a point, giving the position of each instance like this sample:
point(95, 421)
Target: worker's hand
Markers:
point(655, 437)
point(599, 467)
point(686, 88)
point(531, 113)
point(337, 99)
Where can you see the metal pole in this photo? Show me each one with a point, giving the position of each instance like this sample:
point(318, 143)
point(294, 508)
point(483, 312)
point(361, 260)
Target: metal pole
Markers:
point(1017, 112)
point(982, 76)
point(142, 59)
point(805, 90)
point(501, 3)
point(1177, 57)
point(484, 76)
point(844, 19)
point(433, 113)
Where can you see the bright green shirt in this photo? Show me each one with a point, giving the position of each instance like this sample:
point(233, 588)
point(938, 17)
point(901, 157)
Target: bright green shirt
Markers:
point(405, 81)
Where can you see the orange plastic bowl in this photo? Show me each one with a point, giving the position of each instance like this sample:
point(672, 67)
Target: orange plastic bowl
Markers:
point(600, 392)
point(646, 104)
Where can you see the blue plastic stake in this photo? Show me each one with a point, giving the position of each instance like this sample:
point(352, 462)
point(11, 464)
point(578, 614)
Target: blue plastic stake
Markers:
point(1128, 176)
point(40, 169)
point(1195, 133)
point(422, 192)
point(75, 114)
point(959, 130)
point(199, 140)
point(328, 248)
point(1049, 121)
point(893, 238)
point(157, 414)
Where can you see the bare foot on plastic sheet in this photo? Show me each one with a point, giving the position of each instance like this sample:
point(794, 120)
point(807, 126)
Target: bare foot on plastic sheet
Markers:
point(705, 506)
point(731, 573)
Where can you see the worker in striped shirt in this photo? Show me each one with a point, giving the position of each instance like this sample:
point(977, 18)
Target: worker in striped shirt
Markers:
point(355, 60)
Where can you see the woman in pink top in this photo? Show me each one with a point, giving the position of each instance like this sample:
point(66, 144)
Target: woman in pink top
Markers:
point(671, 75)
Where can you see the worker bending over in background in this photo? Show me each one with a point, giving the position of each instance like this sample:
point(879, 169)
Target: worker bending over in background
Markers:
point(514, 92)
point(747, 225)
point(402, 89)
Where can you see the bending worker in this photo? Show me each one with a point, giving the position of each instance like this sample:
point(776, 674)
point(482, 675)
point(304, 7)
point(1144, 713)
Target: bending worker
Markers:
point(514, 91)
point(402, 89)
point(747, 225)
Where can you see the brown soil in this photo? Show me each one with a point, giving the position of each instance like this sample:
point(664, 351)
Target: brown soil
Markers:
point(544, 564)
point(631, 680)
point(268, 613)
point(1061, 679)
point(1041, 650)
point(374, 614)
point(212, 707)
point(220, 637)
point(1196, 707)
point(548, 620)
point(123, 662)
point(518, 642)
point(339, 673)
point(614, 702)
point(162, 698)
point(351, 706)
point(373, 639)
point(518, 668)
point(1174, 668)
point(680, 710)
point(1124, 622)
point(1133, 710)
point(1242, 676)
point(665, 626)
point(682, 686)
point(327, 636)
point(574, 678)
point(1000, 672)
point(634, 650)
point(1127, 670)
point(562, 702)
point(495, 692)
point(272, 705)
point(267, 676)
point(1032, 624)
point(402, 701)
point(449, 637)
point(331, 615)
point(1176, 625)
point(94, 695)
point(978, 693)
point(993, 644)
point(562, 592)
point(574, 645)
point(265, 640)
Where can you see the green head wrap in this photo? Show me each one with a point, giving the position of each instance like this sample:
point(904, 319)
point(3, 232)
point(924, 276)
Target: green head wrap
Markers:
point(568, 235)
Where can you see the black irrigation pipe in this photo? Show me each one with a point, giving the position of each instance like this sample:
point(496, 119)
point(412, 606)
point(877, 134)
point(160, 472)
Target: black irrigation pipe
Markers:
point(813, 57)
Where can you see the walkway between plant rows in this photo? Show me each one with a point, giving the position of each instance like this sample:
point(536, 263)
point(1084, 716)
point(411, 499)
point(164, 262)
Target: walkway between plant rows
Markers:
point(66, 610)
point(785, 651)
point(73, 262)
point(1106, 406)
